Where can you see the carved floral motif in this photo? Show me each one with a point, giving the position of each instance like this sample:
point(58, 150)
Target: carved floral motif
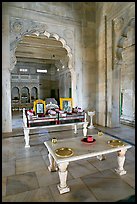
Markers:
point(17, 26)
point(118, 23)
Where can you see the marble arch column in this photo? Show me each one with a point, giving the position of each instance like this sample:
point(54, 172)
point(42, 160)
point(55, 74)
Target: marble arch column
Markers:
point(6, 75)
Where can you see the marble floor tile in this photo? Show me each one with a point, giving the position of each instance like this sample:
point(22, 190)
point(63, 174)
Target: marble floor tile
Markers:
point(46, 178)
point(28, 152)
point(129, 178)
point(108, 189)
point(79, 192)
point(36, 195)
point(81, 168)
point(43, 150)
point(8, 168)
point(22, 182)
point(109, 162)
point(130, 154)
point(29, 164)
point(8, 155)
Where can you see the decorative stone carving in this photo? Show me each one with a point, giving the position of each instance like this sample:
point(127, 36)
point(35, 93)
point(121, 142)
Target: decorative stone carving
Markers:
point(13, 59)
point(17, 26)
point(68, 33)
point(21, 27)
point(124, 38)
point(118, 23)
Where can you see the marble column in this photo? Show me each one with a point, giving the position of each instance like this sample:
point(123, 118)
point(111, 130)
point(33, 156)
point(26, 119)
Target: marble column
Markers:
point(6, 76)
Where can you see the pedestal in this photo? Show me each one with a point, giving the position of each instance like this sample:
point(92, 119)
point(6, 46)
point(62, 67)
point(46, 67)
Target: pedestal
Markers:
point(26, 137)
point(121, 160)
point(91, 114)
point(85, 129)
point(62, 187)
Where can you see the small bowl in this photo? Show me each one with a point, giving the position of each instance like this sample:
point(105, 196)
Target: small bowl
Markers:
point(89, 138)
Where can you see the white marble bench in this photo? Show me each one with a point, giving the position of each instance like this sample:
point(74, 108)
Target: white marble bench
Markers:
point(27, 129)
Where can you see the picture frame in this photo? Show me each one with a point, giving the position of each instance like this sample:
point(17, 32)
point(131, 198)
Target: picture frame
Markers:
point(39, 107)
point(66, 104)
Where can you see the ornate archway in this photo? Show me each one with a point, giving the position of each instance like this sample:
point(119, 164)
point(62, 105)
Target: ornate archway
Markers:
point(125, 88)
point(20, 28)
point(123, 38)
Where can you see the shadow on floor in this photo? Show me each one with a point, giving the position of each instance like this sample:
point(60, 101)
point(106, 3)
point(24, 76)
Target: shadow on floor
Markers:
point(129, 199)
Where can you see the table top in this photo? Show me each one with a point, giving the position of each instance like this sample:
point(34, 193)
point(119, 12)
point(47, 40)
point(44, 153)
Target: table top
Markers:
point(84, 150)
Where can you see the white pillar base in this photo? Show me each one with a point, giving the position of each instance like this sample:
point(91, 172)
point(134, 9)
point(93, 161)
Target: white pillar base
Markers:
point(121, 159)
point(101, 157)
point(51, 169)
point(63, 190)
point(75, 131)
point(91, 127)
point(63, 187)
point(27, 146)
point(120, 172)
point(85, 129)
point(26, 137)
point(91, 114)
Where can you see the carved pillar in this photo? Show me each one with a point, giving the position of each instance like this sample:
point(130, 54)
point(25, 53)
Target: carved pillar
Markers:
point(62, 187)
point(73, 85)
point(121, 160)
point(115, 120)
point(6, 81)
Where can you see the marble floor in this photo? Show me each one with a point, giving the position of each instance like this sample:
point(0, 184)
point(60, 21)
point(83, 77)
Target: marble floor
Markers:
point(25, 176)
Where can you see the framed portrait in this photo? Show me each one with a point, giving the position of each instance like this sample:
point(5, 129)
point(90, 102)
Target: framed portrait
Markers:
point(66, 104)
point(39, 106)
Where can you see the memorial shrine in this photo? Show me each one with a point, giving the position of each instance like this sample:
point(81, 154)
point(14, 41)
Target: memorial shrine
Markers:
point(68, 101)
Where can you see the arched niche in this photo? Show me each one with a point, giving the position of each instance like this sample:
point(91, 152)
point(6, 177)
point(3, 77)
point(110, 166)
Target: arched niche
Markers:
point(129, 30)
point(25, 95)
point(34, 94)
point(15, 95)
point(124, 70)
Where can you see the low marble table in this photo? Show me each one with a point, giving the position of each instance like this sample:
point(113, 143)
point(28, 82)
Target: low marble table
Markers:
point(82, 151)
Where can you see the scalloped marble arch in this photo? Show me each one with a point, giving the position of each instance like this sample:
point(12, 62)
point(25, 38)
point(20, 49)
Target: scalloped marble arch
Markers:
point(123, 37)
point(47, 34)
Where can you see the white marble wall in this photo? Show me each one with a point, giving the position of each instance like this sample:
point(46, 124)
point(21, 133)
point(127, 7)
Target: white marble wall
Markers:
point(112, 20)
point(90, 42)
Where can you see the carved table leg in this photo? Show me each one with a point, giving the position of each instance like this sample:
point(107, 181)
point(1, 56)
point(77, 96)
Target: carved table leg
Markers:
point(75, 131)
point(62, 187)
point(101, 157)
point(52, 167)
point(121, 159)
point(26, 137)
point(85, 129)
